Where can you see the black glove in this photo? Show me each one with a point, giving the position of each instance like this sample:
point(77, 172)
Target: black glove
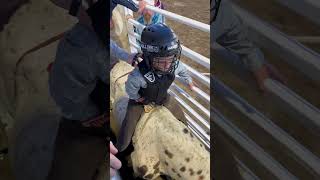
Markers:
point(136, 59)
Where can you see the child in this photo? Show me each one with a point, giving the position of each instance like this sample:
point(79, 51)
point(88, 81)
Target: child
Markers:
point(151, 79)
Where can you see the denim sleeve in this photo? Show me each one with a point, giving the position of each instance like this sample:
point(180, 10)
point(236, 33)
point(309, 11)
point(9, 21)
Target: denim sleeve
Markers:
point(118, 52)
point(74, 74)
point(134, 83)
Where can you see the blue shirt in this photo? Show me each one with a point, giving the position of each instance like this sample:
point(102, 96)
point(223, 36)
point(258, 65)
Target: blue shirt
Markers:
point(156, 18)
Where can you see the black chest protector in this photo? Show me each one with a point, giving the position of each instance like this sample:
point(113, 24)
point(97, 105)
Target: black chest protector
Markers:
point(157, 86)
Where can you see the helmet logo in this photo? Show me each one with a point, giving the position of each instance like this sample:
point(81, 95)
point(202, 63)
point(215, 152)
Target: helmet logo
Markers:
point(175, 46)
point(150, 48)
point(150, 76)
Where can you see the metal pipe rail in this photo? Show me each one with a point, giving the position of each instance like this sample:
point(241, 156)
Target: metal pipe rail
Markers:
point(304, 59)
point(193, 127)
point(307, 8)
point(247, 173)
point(204, 96)
point(300, 106)
point(201, 132)
point(198, 58)
point(184, 20)
point(194, 73)
point(198, 130)
point(310, 113)
point(250, 146)
point(307, 39)
point(304, 156)
point(193, 101)
point(201, 94)
point(191, 111)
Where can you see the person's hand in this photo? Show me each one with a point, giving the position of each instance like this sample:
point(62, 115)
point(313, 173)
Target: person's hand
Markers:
point(134, 59)
point(142, 6)
point(131, 58)
point(192, 85)
point(115, 163)
point(111, 24)
point(129, 16)
point(267, 71)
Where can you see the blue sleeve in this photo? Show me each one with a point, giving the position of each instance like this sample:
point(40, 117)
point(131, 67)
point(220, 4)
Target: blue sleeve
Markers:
point(182, 71)
point(232, 34)
point(118, 52)
point(134, 83)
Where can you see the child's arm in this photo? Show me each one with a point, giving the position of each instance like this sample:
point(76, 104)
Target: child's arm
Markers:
point(183, 73)
point(134, 83)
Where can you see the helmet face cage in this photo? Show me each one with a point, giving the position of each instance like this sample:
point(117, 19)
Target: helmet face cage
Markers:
point(156, 54)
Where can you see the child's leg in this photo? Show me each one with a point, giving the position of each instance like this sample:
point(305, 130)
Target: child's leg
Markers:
point(172, 104)
point(134, 111)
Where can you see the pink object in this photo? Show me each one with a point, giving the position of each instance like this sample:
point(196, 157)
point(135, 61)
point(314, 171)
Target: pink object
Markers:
point(158, 4)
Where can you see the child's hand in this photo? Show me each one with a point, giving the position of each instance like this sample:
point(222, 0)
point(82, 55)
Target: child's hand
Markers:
point(142, 6)
point(192, 85)
point(135, 59)
point(268, 71)
point(115, 163)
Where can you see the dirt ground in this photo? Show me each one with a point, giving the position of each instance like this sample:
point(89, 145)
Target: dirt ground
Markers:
point(295, 25)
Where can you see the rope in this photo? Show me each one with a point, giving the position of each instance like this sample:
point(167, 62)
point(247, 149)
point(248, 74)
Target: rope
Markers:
point(37, 47)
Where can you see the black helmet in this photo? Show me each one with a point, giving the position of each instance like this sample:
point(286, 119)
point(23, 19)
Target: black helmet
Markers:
point(158, 40)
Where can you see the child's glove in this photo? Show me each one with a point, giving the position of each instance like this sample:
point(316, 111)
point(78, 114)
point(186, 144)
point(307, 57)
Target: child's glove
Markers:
point(136, 59)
